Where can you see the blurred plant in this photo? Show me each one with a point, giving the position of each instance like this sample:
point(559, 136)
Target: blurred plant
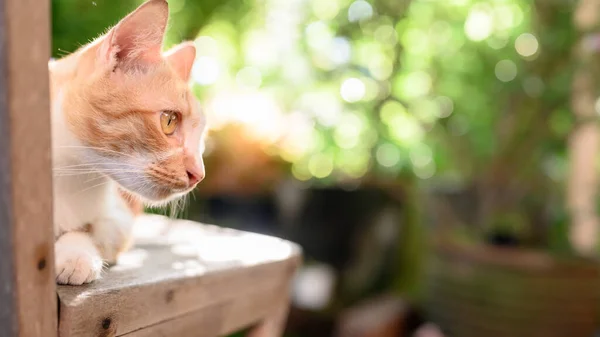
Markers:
point(463, 94)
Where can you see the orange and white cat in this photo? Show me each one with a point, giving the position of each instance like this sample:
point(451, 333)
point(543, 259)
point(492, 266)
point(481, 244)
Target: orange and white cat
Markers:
point(126, 131)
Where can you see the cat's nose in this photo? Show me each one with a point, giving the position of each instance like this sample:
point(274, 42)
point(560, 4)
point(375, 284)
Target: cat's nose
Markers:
point(193, 179)
point(195, 171)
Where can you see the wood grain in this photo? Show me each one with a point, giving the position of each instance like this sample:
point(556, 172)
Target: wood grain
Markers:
point(180, 270)
point(200, 323)
point(26, 240)
point(273, 322)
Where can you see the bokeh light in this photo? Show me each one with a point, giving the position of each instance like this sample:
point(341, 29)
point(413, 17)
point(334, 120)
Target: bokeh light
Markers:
point(388, 155)
point(320, 165)
point(360, 10)
point(526, 45)
point(533, 86)
point(206, 70)
point(249, 77)
point(479, 24)
point(352, 90)
point(506, 70)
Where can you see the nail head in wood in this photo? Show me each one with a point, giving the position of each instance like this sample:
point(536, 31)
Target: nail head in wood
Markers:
point(41, 264)
point(106, 323)
point(170, 295)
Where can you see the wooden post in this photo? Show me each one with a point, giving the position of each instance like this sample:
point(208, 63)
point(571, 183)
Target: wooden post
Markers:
point(584, 143)
point(27, 288)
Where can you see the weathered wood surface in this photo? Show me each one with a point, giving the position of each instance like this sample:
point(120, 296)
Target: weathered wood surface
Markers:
point(184, 279)
point(27, 290)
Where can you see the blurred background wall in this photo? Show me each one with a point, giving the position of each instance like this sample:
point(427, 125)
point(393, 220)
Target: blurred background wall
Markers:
point(436, 159)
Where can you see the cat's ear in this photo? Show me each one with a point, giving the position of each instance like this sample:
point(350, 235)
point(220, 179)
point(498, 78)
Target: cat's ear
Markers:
point(137, 39)
point(181, 58)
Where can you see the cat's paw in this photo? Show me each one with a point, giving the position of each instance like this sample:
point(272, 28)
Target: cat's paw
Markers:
point(76, 267)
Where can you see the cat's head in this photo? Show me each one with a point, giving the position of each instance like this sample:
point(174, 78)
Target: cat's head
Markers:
point(131, 108)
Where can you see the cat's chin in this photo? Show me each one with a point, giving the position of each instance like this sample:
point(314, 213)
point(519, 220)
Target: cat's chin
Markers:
point(160, 202)
point(157, 197)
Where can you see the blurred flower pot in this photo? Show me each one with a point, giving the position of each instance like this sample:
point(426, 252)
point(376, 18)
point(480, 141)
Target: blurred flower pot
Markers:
point(476, 291)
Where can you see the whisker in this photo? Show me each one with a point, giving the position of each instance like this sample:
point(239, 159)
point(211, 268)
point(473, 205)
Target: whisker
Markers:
point(92, 187)
point(96, 164)
point(186, 209)
point(99, 149)
point(100, 171)
point(102, 184)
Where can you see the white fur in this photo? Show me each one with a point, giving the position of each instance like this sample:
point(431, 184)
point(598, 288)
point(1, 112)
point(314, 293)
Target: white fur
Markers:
point(82, 198)
point(77, 259)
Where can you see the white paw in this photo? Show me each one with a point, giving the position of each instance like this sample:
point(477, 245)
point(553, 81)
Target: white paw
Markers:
point(75, 266)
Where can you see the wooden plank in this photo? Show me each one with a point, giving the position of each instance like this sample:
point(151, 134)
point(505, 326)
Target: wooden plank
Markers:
point(27, 291)
point(225, 318)
point(255, 309)
point(201, 323)
point(179, 268)
point(273, 321)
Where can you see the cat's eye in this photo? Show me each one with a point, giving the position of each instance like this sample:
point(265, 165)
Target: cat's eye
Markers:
point(168, 122)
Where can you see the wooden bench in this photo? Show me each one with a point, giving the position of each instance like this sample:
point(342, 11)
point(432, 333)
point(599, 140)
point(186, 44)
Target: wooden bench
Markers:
point(185, 279)
point(182, 279)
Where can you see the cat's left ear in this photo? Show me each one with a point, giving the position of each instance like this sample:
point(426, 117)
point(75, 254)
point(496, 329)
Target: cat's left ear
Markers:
point(181, 59)
point(136, 40)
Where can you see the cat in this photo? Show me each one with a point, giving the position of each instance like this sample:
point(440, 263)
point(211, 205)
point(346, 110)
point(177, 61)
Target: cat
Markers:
point(126, 131)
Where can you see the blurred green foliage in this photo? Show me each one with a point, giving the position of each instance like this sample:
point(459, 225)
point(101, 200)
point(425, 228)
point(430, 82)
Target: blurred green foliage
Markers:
point(460, 94)
point(76, 22)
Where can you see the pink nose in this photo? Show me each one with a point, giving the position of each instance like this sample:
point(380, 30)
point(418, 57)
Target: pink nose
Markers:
point(193, 179)
point(195, 171)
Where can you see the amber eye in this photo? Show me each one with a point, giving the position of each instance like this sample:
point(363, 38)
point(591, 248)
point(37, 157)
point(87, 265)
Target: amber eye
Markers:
point(168, 122)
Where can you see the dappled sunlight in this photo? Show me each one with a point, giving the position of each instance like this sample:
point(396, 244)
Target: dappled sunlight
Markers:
point(246, 249)
point(206, 244)
point(243, 249)
point(190, 267)
point(131, 259)
point(149, 229)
